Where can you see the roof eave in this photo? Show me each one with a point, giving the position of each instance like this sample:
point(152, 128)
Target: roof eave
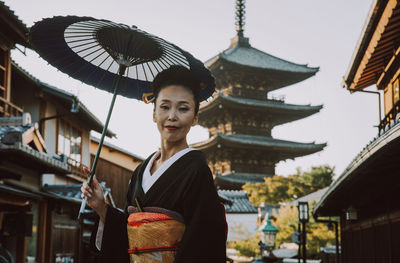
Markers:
point(349, 172)
point(68, 97)
point(373, 17)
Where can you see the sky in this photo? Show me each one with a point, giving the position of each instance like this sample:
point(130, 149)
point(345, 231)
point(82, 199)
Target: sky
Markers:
point(320, 33)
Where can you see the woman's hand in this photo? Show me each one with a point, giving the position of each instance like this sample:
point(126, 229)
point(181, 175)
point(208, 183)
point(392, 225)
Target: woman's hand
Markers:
point(95, 196)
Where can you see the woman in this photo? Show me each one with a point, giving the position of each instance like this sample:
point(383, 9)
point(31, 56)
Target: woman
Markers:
point(176, 178)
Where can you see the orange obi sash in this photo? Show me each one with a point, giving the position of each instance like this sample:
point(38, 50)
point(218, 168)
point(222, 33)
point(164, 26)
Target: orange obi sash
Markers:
point(154, 234)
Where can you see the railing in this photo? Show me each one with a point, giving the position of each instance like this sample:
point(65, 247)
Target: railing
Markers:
point(77, 167)
point(7, 109)
point(391, 119)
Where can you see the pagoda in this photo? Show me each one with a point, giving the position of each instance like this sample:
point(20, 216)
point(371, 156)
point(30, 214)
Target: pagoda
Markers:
point(240, 116)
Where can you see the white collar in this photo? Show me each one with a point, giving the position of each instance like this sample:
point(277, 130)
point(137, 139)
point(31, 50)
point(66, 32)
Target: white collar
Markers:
point(149, 179)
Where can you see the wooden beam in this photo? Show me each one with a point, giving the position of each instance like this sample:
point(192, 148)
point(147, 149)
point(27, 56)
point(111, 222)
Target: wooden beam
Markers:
point(387, 68)
point(42, 232)
point(379, 30)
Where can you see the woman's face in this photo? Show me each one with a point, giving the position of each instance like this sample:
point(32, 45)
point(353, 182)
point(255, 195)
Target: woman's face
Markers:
point(174, 113)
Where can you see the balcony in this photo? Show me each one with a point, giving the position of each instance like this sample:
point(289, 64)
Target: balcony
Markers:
point(391, 119)
point(7, 109)
point(77, 168)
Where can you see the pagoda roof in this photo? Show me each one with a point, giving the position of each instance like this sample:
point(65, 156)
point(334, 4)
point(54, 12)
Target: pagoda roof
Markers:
point(286, 149)
point(243, 55)
point(235, 181)
point(277, 108)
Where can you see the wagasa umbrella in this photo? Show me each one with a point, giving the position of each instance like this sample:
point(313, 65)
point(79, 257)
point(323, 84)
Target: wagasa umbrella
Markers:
point(110, 56)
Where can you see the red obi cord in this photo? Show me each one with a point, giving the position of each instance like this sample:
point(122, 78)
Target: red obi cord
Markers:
point(136, 250)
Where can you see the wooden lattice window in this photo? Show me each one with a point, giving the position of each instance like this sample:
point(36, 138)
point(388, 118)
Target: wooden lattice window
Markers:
point(4, 68)
point(69, 140)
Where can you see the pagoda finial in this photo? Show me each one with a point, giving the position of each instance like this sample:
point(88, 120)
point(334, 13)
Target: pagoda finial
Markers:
point(240, 12)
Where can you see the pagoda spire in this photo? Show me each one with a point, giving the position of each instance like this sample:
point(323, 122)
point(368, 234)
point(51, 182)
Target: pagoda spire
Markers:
point(240, 16)
point(239, 39)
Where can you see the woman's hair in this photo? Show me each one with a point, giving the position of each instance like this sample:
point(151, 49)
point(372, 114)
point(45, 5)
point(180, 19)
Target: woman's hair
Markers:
point(178, 75)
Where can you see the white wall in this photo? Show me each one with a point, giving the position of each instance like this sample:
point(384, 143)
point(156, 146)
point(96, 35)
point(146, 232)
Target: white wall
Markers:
point(241, 226)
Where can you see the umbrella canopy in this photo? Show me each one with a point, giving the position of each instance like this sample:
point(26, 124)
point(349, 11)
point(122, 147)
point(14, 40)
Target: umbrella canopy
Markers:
point(93, 50)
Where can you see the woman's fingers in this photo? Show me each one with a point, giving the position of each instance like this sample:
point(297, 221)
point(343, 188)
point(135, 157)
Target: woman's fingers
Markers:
point(86, 190)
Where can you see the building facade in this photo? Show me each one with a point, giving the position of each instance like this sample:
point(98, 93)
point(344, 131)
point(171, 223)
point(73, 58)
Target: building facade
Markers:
point(44, 145)
point(365, 195)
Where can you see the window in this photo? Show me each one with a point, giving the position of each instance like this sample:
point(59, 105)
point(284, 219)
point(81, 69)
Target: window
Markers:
point(396, 91)
point(4, 62)
point(69, 141)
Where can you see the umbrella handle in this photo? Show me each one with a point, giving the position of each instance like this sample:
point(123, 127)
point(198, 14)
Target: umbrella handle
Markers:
point(82, 209)
point(121, 72)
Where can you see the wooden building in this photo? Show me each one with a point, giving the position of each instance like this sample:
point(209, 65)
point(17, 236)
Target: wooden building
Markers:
point(365, 196)
point(240, 116)
point(114, 168)
point(44, 144)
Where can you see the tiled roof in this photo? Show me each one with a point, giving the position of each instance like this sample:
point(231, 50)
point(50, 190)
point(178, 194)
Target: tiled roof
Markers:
point(243, 178)
point(9, 11)
point(71, 192)
point(314, 196)
point(51, 163)
point(261, 141)
point(16, 21)
point(270, 104)
point(252, 57)
point(67, 97)
point(280, 111)
point(375, 147)
point(240, 202)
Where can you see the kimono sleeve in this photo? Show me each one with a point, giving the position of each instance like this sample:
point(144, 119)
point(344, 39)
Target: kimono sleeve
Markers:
point(114, 245)
point(204, 239)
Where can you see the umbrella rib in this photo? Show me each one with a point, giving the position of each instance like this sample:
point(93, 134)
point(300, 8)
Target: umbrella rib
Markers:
point(91, 35)
point(102, 77)
point(93, 42)
point(101, 48)
point(173, 51)
point(82, 25)
point(69, 31)
point(144, 71)
point(80, 51)
point(160, 67)
point(151, 72)
point(99, 65)
point(177, 58)
point(125, 81)
point(165, 66)
point(164, 60)
point(78, 40)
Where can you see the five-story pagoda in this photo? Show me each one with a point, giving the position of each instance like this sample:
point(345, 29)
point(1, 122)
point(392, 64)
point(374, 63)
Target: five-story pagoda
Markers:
point(240, 116)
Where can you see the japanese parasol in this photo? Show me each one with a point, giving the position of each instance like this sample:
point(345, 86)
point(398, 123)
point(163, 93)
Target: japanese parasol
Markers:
point(113, 57)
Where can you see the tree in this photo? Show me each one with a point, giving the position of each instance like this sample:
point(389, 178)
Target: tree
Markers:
point(278, 189)
point(318, 235)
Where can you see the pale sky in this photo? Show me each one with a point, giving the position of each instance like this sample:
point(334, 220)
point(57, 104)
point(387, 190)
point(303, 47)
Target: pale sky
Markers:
point(320, 33)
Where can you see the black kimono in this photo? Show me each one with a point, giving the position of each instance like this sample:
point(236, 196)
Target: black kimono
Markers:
point(185, 187)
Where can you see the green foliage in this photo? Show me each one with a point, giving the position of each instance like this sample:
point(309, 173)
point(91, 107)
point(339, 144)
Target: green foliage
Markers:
point(318, 235)
point(247, 247)
point(278, 189)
